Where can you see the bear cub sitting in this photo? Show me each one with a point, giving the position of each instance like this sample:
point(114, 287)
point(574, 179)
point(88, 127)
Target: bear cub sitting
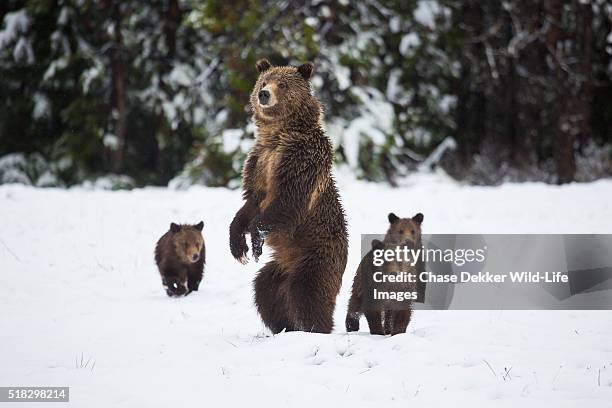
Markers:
point(180, 255)
point(402, 232)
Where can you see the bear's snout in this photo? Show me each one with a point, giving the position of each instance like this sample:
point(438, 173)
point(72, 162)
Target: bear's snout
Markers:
point(264, 97)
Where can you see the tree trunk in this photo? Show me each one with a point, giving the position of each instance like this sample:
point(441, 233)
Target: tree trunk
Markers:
point(587, 70)
point(562, 132)
point(119, 99)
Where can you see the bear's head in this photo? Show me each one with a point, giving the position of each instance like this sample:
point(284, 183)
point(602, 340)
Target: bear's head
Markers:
point(404, 231)
point(282, 93)
point(187, 241)
point(377, 244)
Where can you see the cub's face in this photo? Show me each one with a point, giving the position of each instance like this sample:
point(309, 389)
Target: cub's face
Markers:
point(280, 91)
point(404, 231)
point(188, 241)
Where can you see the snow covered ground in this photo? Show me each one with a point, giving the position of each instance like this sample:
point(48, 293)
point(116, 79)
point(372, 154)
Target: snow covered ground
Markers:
point(82, 306)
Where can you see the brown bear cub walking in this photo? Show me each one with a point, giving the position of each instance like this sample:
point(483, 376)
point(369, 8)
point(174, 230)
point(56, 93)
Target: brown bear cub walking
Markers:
point(180, 256)
point(402, 232)
point(292, 203)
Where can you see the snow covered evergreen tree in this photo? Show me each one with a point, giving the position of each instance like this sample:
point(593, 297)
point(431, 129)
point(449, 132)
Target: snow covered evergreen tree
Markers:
point(158, 90)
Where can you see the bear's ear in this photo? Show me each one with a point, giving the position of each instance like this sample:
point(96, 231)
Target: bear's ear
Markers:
point(418, 218)
point(200, 226)
point(306, 70)
point(392, 218)
point(175, 227)
point(377, 244)
point(263, 65)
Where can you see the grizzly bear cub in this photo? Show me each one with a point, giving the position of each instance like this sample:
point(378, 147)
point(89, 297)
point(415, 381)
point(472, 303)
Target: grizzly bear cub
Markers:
point(180, 256)
point(291, 202)
point(402, 232)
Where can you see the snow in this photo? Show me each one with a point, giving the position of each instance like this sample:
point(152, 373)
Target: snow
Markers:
point(47, 179)
point(311, 21)
point(83, 306)
point(426, 11)
point(395, 92)
point(109, 182)
point(409, 43)
point(55, 66)
point(171, 113)
point(395, 24)
point(42, 106)
point(32, 169)
point(111, 141)
point(341, 72)
point(434, 157)
point(23, 51)
point(64, 16)
point(15, 23)
point(91, 74)
point(325, 11)
point(375, 122)
point(14, 175)
point(12, 169)
point(182, 75)
point(447, 102)
point(232, 139)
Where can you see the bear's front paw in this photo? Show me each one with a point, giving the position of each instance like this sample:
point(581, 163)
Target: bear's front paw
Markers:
point(258, 234)
point(193, 285)
point(175, 287)
point(257, 241)
point(238, 247)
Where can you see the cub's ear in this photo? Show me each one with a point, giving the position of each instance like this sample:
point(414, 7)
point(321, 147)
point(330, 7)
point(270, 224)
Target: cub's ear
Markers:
point(263, 65)
point(418, 218)
point(392, 218)
point(200, 226)
point(377, 244)
point(175, 227)
point(306, 70)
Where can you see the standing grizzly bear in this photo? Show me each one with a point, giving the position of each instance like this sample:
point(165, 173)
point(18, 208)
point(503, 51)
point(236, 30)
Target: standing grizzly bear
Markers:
point(402, 232)
point(180, 255)
point(292, 202)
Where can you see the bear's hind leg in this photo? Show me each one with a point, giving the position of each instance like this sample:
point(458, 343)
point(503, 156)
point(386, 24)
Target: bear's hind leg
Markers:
point(401, 318)
point(270, 301)
point(388, 316)
point(312, 294)
point(375, 322)
point(353, 313)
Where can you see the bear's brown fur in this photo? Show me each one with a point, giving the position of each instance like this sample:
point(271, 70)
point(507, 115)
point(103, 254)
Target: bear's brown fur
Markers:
point(402, 232)
point(292, 202)
point(180, 255)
